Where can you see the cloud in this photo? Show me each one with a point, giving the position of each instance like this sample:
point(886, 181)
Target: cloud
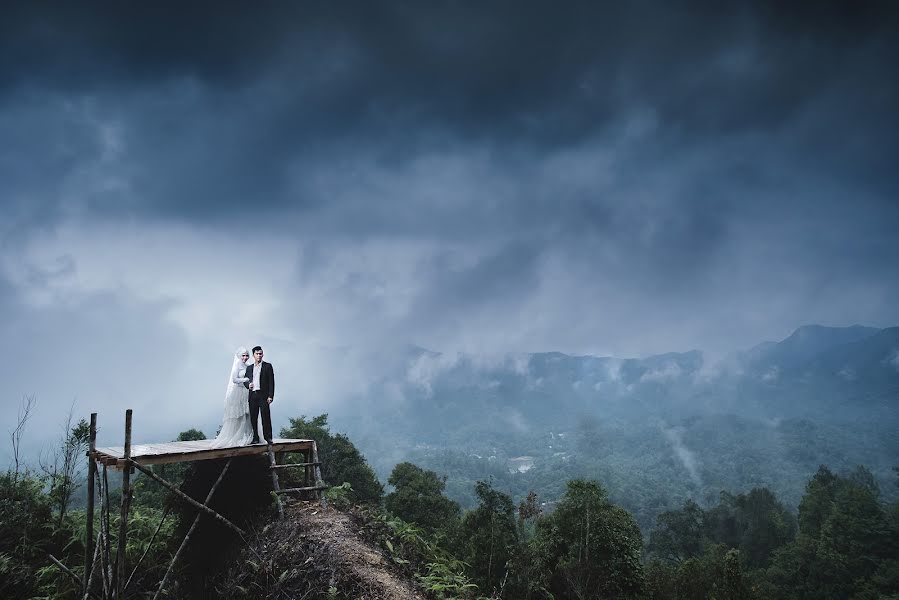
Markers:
point(666, 372)
point(515, 420)
point(258, 101)
point(675, 435)
point(612, 369)
point(772, 374)
point(340, 182)
point(893, 359)
point(847, 374)
point(427, 367)
point(493, 65)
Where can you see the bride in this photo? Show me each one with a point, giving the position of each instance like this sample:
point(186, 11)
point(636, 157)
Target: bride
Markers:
point(236, 429)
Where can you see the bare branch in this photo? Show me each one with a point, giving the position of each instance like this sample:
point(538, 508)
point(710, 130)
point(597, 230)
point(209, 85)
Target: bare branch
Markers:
point(15, 435)
point(68, 572)
point(63, 463)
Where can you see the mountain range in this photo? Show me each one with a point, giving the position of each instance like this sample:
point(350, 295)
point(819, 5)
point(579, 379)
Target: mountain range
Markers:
point(656, 430)
point(833, 375)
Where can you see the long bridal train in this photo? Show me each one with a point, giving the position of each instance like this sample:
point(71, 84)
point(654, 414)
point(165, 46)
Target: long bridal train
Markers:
point(236, 429)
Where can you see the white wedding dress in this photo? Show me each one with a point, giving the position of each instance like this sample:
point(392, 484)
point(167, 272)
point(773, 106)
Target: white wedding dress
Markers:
point(236, 429)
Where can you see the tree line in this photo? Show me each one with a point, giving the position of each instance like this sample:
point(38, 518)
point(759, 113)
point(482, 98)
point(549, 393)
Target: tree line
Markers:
point(843, 543)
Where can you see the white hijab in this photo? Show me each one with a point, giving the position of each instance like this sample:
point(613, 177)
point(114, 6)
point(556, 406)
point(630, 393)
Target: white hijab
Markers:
point(236, 366)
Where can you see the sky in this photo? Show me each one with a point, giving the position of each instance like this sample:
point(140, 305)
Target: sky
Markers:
point(339, 181)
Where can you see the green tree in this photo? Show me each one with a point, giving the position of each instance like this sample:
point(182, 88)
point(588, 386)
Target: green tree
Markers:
point(695, 578)
point(788, 576)
point(678, 534)
point(865, 478)
point(418, 498)
point(766, 526)
point(854, 539)
point(489, 535)
point(756, 523)
point(734, 585)
point(524, 579)
point(846, 545)
point(26, 531)
point(660, 581)
point(817, 502)
point(341, 460)
point(590, 548)
point(716, 574)
point(191, 435)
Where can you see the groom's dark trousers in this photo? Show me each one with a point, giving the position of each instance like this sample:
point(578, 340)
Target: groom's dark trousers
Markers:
point(259, 404)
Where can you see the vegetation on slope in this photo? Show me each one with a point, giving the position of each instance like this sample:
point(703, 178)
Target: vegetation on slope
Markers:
point(840, 543)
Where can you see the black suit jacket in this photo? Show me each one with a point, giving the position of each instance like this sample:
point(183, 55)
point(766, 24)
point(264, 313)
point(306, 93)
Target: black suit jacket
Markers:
point(266, 379)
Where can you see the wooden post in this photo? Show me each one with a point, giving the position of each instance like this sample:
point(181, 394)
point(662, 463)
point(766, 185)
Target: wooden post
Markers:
point(106, 555)
point(307, 458)
point(275, 484)
point(89, 515)
point(188, 499)
point(165, 513)
point(312, 488)
point(126, 501)
point(318, 475)
point(191, 530)
point(291, 465)
point(90, 578)
point(67, 571)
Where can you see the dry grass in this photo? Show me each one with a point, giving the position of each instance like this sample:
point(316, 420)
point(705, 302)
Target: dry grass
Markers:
point(316, 553)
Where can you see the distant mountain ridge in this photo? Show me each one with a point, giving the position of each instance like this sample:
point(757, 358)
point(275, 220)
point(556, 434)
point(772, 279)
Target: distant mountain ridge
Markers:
point(672, 425)
point(806, 343)
point(829, 373)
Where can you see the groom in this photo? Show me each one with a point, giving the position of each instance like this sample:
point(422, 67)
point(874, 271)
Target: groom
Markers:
point(261, 383)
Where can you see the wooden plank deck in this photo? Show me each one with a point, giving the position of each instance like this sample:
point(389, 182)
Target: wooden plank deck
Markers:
point(175, 452)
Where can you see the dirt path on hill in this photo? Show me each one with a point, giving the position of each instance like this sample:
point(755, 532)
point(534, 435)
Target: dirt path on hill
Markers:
point(333, 533)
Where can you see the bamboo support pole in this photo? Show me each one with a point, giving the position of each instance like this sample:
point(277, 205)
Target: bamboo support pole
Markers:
point(90, 577)
point(190, 531)
point(307, 458)
point(275, 484)
point(98, 551)
point(67, 571)
point(165, 513)
point(89, 510)
point(311, 488)
point(119, 575)
point(187, 498)
point(302, 464)
point(318, 475)
point(104, 529)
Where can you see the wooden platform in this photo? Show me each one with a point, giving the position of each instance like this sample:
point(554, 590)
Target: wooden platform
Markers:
point(175, 452)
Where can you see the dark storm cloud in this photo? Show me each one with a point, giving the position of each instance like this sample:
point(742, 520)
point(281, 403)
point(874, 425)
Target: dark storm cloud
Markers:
point(618, 178)
point(498, 72)
point(631, 151)
point(751, 62)
point(497, 279)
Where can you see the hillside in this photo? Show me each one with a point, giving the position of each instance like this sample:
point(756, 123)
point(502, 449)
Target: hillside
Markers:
point(316, 552)
point(656, 430)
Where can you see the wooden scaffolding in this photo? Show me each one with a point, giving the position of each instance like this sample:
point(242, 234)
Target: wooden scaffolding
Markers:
point(127, 458)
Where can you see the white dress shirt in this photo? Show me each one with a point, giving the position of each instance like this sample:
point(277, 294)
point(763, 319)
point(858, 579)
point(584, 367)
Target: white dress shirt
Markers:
point(256, 370)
